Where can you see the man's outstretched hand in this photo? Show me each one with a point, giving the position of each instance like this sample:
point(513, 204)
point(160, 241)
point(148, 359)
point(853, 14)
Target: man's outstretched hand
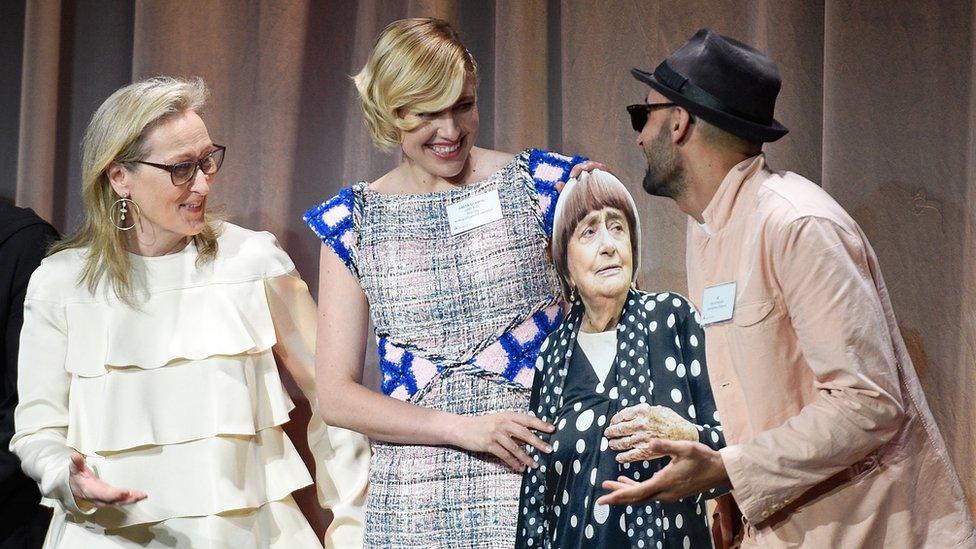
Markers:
point(694, 468)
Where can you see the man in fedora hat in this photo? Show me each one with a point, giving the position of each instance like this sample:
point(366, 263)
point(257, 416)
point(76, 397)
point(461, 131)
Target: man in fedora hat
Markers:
point(830, 440)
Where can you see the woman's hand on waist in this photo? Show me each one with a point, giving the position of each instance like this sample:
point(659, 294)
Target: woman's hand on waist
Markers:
point(501, 434)
point(85, 486)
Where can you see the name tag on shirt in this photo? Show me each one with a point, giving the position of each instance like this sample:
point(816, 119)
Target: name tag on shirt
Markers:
point(718, 303)
point(474, 212)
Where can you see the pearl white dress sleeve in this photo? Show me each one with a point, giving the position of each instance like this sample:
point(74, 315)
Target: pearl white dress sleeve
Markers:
point(179, 396)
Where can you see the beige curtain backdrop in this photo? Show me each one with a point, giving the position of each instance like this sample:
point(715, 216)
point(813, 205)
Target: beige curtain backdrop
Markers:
point(879, 97)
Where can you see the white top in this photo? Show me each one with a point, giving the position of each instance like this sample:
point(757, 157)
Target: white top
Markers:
point(180, 396)
point(600, 349)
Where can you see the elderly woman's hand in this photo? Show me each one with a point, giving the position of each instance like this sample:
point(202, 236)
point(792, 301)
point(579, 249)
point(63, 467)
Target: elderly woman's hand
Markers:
point(632, 428)
point(87, 487)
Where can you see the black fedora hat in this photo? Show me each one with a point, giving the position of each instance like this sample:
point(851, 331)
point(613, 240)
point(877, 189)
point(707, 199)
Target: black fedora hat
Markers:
point(724, 82)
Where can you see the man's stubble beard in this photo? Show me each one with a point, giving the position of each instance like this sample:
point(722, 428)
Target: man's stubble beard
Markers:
point(665, 175)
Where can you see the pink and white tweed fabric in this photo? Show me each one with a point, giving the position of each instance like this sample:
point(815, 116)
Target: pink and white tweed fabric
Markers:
point(482, 300)
point(459, 321)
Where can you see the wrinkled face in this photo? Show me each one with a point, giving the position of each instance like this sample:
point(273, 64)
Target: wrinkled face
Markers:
point(599, 257)
point(665, 174)
point(169, 212)
point(440, 144)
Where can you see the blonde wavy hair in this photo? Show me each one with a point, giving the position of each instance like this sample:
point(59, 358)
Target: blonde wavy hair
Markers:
point(117, 135)
point(418, 64)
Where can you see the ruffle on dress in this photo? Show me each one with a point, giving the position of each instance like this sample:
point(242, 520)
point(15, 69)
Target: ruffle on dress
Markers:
point(179, 325)
point(277, 525)
point(210, 476)
point(181, 402)
point(180, 397)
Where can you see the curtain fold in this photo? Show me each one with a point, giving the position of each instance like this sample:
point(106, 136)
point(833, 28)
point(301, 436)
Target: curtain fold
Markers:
point(39, 108)
point(880, 101)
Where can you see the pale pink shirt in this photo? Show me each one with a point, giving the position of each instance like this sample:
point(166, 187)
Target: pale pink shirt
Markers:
point(831, 441)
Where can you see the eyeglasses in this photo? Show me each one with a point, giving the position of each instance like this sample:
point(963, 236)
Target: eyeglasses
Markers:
point(184, 172)
point(639, 113)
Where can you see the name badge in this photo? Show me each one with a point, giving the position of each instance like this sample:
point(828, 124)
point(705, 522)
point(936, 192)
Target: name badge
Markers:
point(718, 303)
point(474, 212)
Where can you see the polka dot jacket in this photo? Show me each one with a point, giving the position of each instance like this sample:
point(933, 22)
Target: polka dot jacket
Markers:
point(660, 360)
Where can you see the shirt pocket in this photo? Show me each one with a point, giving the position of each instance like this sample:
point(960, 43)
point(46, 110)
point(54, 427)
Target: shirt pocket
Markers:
point(750, 314)
point(754, 329)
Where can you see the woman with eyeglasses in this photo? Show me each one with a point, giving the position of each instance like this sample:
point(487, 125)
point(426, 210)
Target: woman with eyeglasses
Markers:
point(150, 406)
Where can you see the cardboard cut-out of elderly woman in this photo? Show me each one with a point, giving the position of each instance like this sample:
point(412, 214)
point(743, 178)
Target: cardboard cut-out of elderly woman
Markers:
point(624, 367)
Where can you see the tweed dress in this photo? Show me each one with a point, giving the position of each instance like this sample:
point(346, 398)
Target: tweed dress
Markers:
point(459, 321)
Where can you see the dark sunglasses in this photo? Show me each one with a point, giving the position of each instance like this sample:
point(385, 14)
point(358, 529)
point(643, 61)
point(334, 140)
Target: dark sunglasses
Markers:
point(184, 172)
point(639, 113)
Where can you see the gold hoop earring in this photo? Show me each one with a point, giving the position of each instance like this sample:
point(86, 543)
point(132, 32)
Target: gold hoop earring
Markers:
point(123, 209)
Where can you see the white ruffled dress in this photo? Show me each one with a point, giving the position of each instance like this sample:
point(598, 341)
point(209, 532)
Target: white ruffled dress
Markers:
point(180, 397)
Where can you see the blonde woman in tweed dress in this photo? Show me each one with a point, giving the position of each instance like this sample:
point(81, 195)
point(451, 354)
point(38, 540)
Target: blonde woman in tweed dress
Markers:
point(460, 303)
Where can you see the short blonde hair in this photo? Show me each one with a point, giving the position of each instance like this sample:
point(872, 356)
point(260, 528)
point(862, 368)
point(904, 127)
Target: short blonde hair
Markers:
point(117, 135)
point(418, 64)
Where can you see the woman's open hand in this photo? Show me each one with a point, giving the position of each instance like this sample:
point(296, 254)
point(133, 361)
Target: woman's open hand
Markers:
point(632, 428)
point(86, 486)
point(502, 434)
